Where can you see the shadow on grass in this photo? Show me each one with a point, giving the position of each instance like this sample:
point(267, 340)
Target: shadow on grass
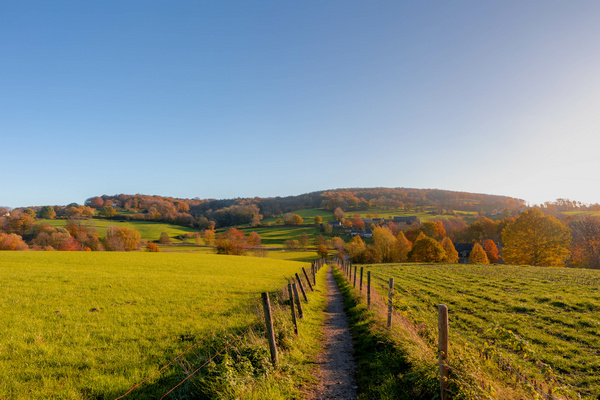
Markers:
point(385, 369)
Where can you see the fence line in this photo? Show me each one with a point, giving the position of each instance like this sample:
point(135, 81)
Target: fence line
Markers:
point(278, 296)
point(380, 284)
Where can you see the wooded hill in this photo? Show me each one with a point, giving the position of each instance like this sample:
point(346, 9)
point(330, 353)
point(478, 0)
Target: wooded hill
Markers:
point(199, 213)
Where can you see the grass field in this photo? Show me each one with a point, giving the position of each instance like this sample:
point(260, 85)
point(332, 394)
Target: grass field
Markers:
point(147, 229)
point(277, 235)
point(80, 325)
point(543, 321)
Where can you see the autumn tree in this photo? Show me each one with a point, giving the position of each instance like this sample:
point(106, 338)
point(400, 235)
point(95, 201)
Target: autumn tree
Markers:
point(232, 242)
point(107, 212)
point(291, 244)
point(338, 244)
point(585, 248)
point(121, 239)
point(11, 241)
point(427, 250)
point(356, 249)
point(47, 212)
point(433, 229)
point(318, 220)
point(322, 250)
point(254, 239)
point(304, 240)
point(293, 219)
point(383, 246)
point(401, 248)
point(491, 250)
point(278, 221)
point(358, 223)
point(164, 238)
point(478, 255)
point(451, 253)
point(536, 239)
point(152, 248)
point(339, 214)
point(94, 202)
point(209, 237)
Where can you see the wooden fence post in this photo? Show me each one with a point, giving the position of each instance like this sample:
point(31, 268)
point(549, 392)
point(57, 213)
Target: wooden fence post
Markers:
point(355, 277)
point(301, 288)
point(298, 303)
point(390, 302)
point(443, 350)
point(368, 289)
point(291, 292)
point(314, 274)
point(269, 322)
point(307, 280)
point(361, 278)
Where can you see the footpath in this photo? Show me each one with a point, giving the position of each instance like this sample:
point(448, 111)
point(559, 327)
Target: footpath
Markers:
point(336, 364)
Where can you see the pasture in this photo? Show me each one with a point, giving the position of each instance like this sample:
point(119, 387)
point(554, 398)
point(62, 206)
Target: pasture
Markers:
point(81, 325)
point(149, 230)
point(544, 322)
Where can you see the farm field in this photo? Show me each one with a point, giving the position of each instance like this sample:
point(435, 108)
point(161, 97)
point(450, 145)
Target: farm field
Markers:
point(543, 321)
point(307, 214)
point(277, 235)
point(147, 229)
point(81, 325)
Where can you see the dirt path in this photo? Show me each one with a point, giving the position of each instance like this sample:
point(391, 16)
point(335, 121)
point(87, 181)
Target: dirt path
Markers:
point(337, 367)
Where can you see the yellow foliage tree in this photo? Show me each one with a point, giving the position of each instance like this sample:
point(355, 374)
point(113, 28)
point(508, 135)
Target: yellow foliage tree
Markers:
point(536, 239)
point(402, 248)
point(451, 253)
point(427, 250)
point(478, 255)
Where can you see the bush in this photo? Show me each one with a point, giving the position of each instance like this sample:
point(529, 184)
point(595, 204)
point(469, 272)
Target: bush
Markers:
point(152, 248)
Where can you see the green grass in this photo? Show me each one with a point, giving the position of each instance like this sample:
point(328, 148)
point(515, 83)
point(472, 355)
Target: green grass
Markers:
point(147, 229)
point(543, 321)
point(80, 325)
point(277, 235)
point(308, 215)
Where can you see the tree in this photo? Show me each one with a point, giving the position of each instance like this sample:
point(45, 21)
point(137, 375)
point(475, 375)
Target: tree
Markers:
point(451, 253)
point(318, 220)
point(293, 219)
point(383, 246)
point(536, 239)
point(491, 250)
point(209, 236)
point(478, 255)
point(232, 242)
point(356, 249)
point(254, 239)
point(304, 240)
point(339, 214)
point(338, 244)
point(322, 250)
point(164, 238)
point(107, 212)
point(121, 239)
point(94, 202)
point(402, 248)
point(433, 229)
point(291, 244)
point(152, 248)
point(427, 250)
point(278, 221)
point(47, 212)
point(585, 248)
point(358, 223)
point(10, 241)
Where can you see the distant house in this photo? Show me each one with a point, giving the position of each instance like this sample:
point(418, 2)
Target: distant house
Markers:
point(464, 251)
point(336, 224)
point(405, 220)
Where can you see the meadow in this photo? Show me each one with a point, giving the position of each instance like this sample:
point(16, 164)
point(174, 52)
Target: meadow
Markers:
point(542, 322)
point(80, 325)
point(148, 230)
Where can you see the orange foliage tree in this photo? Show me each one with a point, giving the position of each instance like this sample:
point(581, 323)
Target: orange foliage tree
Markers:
point(232, 242)
point(427, 250)
point(451, 253)
point(491, 250)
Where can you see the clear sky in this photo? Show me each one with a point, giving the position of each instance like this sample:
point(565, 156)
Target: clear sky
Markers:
point(221, 99)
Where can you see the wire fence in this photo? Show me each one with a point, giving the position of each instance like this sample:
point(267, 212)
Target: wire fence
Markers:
point(419, 315)
point(279, 303)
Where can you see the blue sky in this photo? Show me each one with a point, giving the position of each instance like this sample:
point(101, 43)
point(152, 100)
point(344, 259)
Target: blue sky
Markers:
point(233, 98)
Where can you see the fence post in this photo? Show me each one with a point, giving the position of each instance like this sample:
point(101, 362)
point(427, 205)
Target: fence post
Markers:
point(355, 277)
point(301, 288)
point(390, 302)
point(368, 289)
point(269, 323)
point(291, 292)
point(443, 350)
point(307, 280)
point(361, 276)
point(314, 273)
point(297, 297)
